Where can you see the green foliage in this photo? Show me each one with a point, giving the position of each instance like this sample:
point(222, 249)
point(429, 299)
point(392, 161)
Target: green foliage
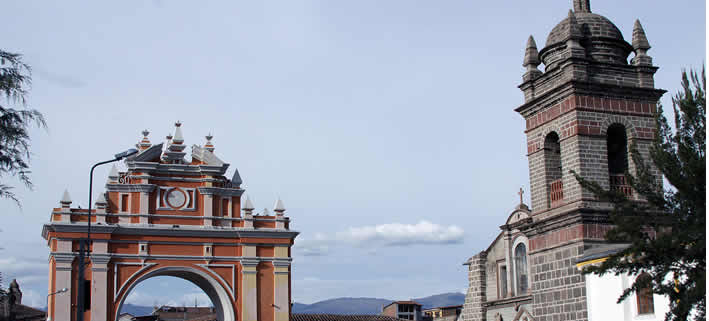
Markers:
point(666, 234)
point(14, 136)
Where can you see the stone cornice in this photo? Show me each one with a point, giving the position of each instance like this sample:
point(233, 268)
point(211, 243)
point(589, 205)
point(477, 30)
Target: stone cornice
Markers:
point(220, 191)
point(127, 188)
point(181, 169)
point(184, 230)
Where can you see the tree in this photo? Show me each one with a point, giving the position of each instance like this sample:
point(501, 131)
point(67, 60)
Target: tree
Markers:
point(15, 79)
point(667, 232)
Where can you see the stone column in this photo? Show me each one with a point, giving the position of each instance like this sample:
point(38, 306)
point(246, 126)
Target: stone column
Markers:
point(473, 309)
point(249, 308)
point(281, 287)
point(99, 286)
point(62, 301)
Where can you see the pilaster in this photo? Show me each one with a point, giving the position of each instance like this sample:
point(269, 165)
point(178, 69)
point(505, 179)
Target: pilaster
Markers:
point(144, 207)
point(62, 301)
point(99, 284)
point(249, 309)
point(281, 296)
point(208, 205)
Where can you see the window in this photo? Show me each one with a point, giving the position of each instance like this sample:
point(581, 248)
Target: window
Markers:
point(521, 268)
point(552, 167)
point(124, 202)
point(503, 281)
point(644, 295)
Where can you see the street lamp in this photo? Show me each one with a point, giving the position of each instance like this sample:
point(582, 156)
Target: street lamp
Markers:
point(50, 294)
point(85, 245)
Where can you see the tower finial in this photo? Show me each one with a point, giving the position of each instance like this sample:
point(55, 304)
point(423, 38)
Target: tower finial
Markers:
point(641, 46)
point(639, 38)
point(582, 5)
point(531, 54)
point(531, 60)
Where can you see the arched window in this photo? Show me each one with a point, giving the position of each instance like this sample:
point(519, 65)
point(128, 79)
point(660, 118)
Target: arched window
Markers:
point(521, 269)
point(552, 167)
point(644, 296)
point(617, 149)
point(617, 145)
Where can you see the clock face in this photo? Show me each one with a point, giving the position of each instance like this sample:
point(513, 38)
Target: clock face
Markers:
point(176, 198)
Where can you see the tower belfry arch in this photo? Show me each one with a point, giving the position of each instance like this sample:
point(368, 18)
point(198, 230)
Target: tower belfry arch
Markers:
point(167, 216)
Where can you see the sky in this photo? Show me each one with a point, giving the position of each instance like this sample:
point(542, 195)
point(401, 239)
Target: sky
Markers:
point(387, 127)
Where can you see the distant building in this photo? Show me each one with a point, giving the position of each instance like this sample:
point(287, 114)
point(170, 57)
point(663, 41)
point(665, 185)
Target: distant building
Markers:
point(11, 308)
point(407, 310)
point(447, 313)
point(168, 313)
point(340, 317)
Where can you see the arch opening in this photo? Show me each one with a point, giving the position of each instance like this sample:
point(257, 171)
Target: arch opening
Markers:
point(617, 147)
point(222, 304)
point(552, 167)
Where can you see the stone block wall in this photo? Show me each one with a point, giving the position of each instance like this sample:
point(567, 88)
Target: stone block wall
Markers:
point(473, 309)
point(558, 288)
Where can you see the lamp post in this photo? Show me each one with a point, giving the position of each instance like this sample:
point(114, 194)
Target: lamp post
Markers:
point(50, 294)
point(85, 245)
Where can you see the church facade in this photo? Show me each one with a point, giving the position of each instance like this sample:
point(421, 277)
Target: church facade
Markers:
point(583, 113)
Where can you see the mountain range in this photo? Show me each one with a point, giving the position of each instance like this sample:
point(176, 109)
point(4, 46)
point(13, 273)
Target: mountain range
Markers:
point(342, 305)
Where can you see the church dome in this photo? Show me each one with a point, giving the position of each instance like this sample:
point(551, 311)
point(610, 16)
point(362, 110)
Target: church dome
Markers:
point(593, 26)
point(601, 39)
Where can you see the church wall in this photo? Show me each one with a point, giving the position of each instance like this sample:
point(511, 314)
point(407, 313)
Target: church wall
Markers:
point(495, 254)
point(558, 288)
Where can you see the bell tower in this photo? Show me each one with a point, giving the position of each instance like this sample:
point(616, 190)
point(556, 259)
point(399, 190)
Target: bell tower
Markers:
point(583, 112)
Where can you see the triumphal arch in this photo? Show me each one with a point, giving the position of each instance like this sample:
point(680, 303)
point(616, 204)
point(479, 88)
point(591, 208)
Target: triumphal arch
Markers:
point(170, 216)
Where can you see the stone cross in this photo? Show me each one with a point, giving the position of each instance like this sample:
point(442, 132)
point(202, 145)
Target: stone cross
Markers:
point(521, 192)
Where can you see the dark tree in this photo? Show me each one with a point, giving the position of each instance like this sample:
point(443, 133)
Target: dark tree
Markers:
point(15, 80)
point(667, 232)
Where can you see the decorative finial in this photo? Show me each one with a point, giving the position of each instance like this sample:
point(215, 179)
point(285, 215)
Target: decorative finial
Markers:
point(113, 175)
point(209, 146)
point(639, 38)
point(101, 199)
point(177, 137)
point(641, 46)
point(66, 199)
point(236, 179)
point(278, 207)
point(531, 54)
point(145, 142)
point(248, 205)
point(582, 5)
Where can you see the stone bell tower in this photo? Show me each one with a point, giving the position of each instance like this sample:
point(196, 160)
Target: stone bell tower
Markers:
point(583, 112)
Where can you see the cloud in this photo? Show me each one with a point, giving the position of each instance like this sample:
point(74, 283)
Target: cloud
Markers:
point(376, 236)
point(26, 271)
point(397, 234)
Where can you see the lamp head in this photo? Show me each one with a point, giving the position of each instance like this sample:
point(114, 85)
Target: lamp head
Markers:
point(126, 153)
